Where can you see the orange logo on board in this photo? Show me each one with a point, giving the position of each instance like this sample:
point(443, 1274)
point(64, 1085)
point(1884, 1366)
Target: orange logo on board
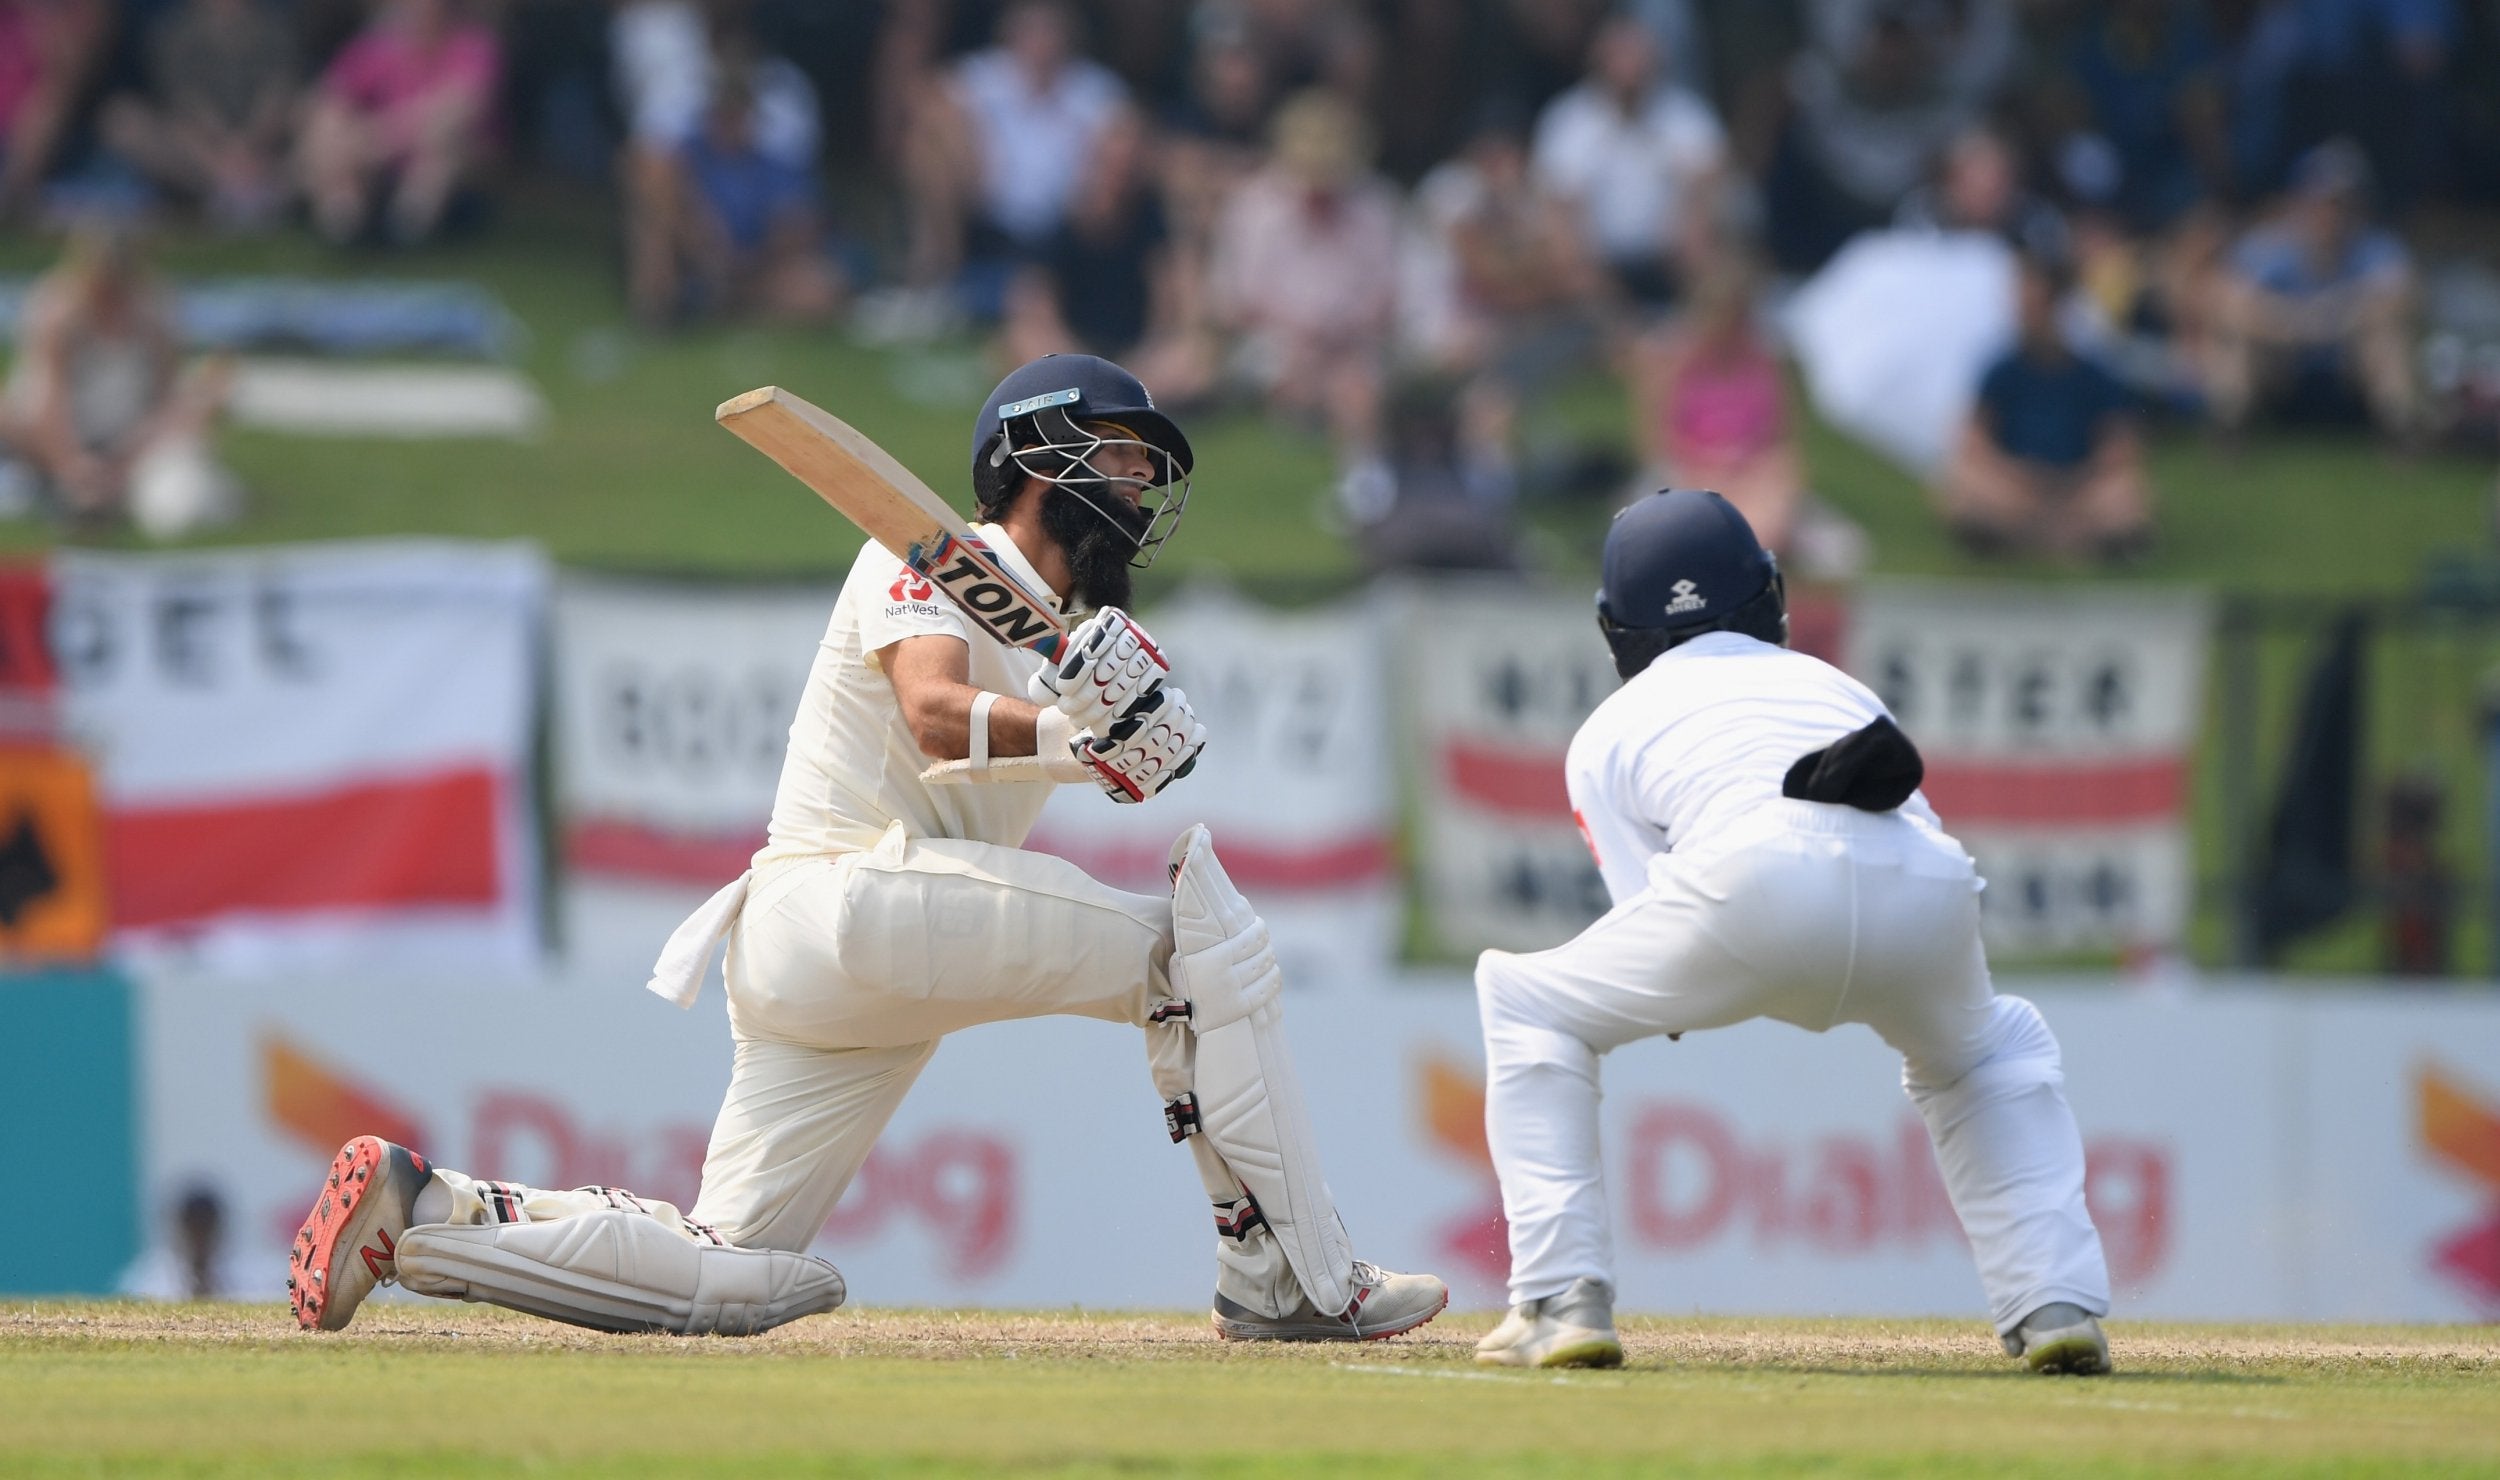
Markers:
point(2463, 1132)
point(1453, 1108)
point(52, 885)
point(321, 1109)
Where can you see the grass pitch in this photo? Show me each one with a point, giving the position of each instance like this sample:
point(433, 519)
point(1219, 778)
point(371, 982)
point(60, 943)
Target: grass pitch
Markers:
point(422, 1389)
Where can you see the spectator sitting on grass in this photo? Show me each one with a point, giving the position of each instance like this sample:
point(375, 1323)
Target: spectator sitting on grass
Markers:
point(399, 122)
point(672, 59)
point(1215, 135)
point(1639, 157)
point(98, 403)
point(2316, 306)
point(1305, 277)
point(1524, 292)
point(1112, 281)
point(1710, 409)
point(2144, 131)
point(999, 148)
point(216, 121)
point(1979, 187)
point(748, 227)
point(48, 52)
point(2049, 461)
point(1868, 106)
point(1499, 295)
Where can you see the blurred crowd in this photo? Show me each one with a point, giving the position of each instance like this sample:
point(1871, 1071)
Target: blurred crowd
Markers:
point(1401, 222)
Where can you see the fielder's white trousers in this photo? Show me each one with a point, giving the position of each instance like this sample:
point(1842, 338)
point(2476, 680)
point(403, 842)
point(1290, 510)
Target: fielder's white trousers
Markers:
point(1814, 915)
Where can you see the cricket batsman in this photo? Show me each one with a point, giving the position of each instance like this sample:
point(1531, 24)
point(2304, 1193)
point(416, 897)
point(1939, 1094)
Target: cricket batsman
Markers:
point(1756, 815)
point(886, 911)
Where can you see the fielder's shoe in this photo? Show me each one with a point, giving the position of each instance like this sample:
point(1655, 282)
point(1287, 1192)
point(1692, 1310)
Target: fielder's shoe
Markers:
point(350, 1240)
point(1385, 1303)
point(2060, 1338)
point(1573, 1329)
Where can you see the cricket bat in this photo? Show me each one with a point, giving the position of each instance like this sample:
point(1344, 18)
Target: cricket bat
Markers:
point(906, 517)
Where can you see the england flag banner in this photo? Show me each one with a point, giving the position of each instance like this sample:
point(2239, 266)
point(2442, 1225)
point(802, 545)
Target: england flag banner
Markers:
point(2059, 729)
point(313, 754)
point(1295, 782)
point(1497, 677)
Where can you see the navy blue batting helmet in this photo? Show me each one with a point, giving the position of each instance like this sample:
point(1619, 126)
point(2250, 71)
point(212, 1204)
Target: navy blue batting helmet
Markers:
point(1049, 416)
point(1679, 563)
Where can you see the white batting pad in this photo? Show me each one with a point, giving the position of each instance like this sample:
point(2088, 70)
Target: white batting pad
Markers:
point(1249, 1103)
point(617, 1271)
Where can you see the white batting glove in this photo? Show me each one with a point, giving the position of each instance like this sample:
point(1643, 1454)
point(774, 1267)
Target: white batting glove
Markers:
point(1152, 744)
point(1107, 664)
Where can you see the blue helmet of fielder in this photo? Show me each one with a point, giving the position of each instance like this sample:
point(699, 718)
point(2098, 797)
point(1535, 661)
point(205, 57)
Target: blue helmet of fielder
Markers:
point(1680, 563)
point(1049, 416)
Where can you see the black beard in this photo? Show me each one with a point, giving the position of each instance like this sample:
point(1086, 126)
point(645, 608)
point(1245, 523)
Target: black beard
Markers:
point(1099, 543)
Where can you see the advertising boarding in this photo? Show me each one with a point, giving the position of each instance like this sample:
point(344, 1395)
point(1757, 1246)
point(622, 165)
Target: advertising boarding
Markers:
point(2253, 1155)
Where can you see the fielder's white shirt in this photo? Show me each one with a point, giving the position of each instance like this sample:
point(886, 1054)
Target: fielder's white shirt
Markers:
point(853, 768)
point(1699, 739)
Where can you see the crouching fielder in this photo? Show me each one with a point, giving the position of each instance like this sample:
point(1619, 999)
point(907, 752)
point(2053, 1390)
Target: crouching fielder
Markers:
point(888, 910)
point(1756, 817)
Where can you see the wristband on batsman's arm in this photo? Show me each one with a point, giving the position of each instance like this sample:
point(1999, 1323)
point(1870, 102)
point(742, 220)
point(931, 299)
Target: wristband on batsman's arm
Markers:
point(1055, 738)
point(977, 750)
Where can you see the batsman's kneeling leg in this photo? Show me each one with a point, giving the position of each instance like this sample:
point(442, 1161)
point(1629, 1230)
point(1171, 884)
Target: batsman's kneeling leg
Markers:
point(617, 1271)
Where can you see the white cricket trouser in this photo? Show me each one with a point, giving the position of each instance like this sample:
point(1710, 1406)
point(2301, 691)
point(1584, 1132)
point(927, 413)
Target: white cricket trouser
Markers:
point(1814, 915)
point(844, 972)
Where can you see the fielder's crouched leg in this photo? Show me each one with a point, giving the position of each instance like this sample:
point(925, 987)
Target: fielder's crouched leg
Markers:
point(1285, 1270)
point(2012, 1160)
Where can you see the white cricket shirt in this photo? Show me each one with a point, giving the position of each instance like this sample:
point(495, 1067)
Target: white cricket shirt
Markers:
point(1632, 177)
point(1700, 738)
point(853, 767)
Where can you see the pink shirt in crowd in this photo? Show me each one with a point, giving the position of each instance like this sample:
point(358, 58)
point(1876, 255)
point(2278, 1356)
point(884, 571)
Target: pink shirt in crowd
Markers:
point(1723, 410)
point(21, 62)
point(390, 75)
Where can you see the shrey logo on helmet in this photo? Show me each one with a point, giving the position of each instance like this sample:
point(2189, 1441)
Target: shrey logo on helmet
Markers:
point(1678, 564)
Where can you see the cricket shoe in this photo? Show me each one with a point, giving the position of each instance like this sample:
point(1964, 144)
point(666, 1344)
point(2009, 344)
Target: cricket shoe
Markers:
point(2060, 1338)
point(1385, 1303)
point(350, 1240)
point(1573, 1329)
